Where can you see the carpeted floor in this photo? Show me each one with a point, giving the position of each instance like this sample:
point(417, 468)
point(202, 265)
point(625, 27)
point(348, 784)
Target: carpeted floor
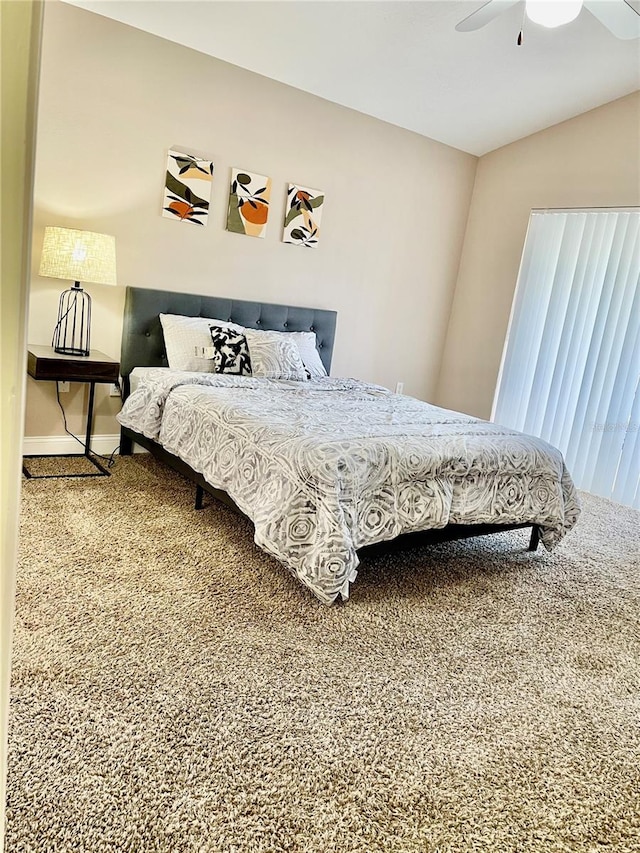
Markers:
point(175, 690)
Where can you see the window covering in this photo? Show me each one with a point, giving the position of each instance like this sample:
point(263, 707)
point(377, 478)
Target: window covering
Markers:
point(570, 372)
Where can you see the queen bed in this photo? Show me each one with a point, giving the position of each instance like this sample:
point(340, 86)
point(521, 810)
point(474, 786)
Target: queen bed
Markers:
point(325, 467)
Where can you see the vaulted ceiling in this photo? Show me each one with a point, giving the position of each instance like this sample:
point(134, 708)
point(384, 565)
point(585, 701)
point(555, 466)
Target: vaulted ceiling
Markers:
point(404, 62)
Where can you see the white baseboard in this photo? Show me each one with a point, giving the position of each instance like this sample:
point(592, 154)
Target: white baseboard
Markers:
point(53, 445)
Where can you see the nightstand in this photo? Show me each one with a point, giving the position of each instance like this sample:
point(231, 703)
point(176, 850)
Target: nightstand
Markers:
point(43, 363)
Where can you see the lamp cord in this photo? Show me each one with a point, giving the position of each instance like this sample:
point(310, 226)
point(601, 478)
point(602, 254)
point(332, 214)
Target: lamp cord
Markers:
point(110, 460)
point(57, 326)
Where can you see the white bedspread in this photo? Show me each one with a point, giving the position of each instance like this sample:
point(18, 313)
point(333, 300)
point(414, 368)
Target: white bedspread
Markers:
point(325, 467)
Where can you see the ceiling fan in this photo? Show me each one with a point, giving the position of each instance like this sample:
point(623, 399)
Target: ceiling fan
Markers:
point(618, 16)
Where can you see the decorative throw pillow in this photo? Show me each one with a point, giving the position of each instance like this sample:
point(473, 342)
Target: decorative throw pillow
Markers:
point(274, 357)
point(230, 351)
point(184, 336)
point(306, 343)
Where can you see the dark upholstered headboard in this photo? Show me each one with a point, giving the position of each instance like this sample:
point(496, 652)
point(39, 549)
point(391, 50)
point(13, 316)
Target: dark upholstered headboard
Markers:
point(143, 341)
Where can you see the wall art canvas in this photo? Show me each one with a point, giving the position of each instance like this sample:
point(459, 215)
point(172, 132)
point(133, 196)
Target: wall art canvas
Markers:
point(249, 196)
point(187, 189)
point(302, 216)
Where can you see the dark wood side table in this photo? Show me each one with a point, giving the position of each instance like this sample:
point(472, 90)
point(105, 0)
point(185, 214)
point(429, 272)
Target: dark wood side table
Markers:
point(43, 363)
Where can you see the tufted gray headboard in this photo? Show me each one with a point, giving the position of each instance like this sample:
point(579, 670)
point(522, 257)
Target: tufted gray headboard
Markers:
point(143, 342)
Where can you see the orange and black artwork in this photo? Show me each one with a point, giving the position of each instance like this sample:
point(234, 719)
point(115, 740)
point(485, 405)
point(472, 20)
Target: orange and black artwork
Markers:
point(187, 188)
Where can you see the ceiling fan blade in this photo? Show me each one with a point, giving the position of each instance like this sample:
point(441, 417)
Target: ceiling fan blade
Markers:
point(483, 15)
point(616, 15)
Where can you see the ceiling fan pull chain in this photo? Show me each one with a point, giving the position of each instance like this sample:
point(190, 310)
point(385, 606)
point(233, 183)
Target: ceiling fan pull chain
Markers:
point(524, 18)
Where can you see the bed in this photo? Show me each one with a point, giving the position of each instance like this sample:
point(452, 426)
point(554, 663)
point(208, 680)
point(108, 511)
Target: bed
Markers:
point(326, 467)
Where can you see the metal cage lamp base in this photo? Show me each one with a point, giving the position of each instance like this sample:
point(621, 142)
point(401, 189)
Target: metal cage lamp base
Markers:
point(71, 335)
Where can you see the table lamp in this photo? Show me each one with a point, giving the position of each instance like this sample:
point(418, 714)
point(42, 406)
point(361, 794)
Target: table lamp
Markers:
point(79, 256)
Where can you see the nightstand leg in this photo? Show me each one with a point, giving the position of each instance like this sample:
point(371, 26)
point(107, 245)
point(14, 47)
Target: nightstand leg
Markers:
point(87, 441)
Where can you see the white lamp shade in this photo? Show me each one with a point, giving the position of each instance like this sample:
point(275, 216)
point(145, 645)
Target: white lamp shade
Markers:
point(553, 13)
point(78, 255)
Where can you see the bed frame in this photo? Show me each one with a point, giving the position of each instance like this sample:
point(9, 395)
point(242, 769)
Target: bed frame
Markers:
point(143, 346)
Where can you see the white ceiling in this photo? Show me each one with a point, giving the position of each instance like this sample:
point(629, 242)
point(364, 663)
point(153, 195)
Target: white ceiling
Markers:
point(403, 61)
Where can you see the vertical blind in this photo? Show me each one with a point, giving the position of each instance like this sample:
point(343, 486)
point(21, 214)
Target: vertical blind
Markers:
point(570, 370)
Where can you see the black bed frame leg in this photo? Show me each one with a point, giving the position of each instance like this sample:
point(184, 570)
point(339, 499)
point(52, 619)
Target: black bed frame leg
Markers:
point(199, 497)
point(535, 538)
point(126, 445)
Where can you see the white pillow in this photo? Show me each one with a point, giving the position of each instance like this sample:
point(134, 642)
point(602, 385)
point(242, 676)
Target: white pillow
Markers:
point(183, 334)
point(306, 343)
point(274, 357)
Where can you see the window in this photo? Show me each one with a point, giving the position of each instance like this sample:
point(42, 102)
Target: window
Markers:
point(570, 371)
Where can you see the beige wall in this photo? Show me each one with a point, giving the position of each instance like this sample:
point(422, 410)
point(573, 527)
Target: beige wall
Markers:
point(113, 99)
point(20, 27)
point(592, 160)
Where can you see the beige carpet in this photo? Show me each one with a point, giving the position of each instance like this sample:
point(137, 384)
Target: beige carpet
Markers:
point(175, 689)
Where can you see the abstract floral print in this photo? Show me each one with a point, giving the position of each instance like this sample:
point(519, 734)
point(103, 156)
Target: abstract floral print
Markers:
point(248, 203)
point(302, 216)
point(187, 188)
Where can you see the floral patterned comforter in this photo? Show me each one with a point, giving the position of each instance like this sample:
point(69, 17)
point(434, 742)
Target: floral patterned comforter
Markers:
point(327, 466)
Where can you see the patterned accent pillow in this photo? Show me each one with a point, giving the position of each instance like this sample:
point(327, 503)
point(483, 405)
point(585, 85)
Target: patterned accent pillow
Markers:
point(274, 357)
point(230, 351)
point(306, 344)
